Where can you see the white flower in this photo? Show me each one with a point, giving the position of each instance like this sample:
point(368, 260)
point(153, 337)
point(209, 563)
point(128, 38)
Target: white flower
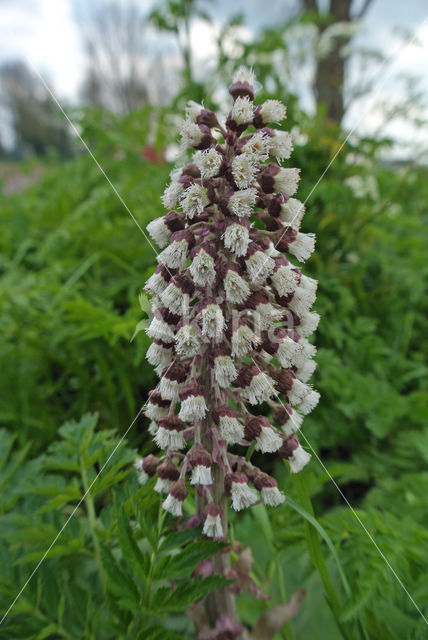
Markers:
point(266, 315)
point(162, 485)
point(156, 284)
point(169, 438)
point(260, 389)
point(280, 145)
point(201, 475)
point(303, 246)
point(258, 146)
point(175, 255)
point(292, 212)
point(287, 181)
point(169, 388)
point(237, 290)
point(160, 330)
point(244, 74)
point(192, 409)
point(194, 200)
point(241, 202)
point(273, 111)
point(154, 411)
point(363, 186)
point(172, 194)
point(191, 134)
point(243, 170)
point(285, 280)
point(236, 238)
point(259, 266)
point(303, 351)
point(242, 110)
point(299, 137)
point(187, 341)
point(242, 496)
point(213, 527)
point(244, 340)
point(193, 110)
point(212, 321)
point(293, 424)
point(299, 459)
point(285, 352)
point(308, 323)
point(175, 300)
point(159, 232)
point(272, 496)
point(202, 269)
point(305, 371)
point(268, 441)
point(272, 252)
point(153, 428)
point(157, 354)
point(309, 402)
point(309, 284)
point(208, 162)
point(301, 301)
point(231, 430)
point(303, 396)
point(224, 370)
point(173, 506)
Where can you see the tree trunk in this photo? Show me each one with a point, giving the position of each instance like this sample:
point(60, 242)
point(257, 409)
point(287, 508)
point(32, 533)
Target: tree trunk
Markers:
point(330, 71)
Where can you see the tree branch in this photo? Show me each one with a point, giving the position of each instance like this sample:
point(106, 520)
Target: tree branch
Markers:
point(310, 5)
point(363, 10)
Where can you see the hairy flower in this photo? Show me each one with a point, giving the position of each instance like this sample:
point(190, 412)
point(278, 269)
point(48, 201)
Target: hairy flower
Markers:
point(208, 162)
point(194, 200)
point(232, 314)
point(241, 203)
point(243, 170)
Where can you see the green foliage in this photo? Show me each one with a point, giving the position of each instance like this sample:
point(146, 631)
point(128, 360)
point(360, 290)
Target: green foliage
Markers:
point(117, 569)
point(72, 264)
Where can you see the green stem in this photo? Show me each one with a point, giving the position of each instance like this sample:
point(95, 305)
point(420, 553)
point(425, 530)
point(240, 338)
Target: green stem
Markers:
point(149, 580)
point(92, 520)
point(287, 630)
point(316, 555)
point(250, 451)
point(46, 620)
point(155, 548)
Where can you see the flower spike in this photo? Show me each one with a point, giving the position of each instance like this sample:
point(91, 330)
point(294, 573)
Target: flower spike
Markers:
point(232, 313)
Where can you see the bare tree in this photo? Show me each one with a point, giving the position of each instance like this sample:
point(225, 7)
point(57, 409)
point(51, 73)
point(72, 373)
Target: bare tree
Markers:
point(330, 68)
point(112, 33)
point(36, 124)
point(175, 17)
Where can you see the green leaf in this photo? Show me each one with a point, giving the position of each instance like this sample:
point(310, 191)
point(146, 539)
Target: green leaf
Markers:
point(323, 533)
point(183, 563)
point(119, 581)
point(316, 555)
point(133, 555)
point(59, 550)
point(178, 538)
point(50, 629)
point(186, 593)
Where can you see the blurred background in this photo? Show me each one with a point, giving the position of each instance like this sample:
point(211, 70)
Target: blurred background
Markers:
point(72, 263)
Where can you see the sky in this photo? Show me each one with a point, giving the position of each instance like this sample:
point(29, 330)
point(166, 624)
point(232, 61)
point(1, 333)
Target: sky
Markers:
point(45, 35)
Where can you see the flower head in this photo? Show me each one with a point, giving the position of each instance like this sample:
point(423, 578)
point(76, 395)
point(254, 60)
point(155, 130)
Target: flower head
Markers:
point(232, 313)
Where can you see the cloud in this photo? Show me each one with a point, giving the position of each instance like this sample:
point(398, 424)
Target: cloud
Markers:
point(43, 34)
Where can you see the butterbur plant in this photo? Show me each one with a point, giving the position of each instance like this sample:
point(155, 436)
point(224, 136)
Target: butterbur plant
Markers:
point(231, 322)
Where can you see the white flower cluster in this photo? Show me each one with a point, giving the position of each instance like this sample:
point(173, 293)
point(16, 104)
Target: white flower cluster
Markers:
point(232, 313)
